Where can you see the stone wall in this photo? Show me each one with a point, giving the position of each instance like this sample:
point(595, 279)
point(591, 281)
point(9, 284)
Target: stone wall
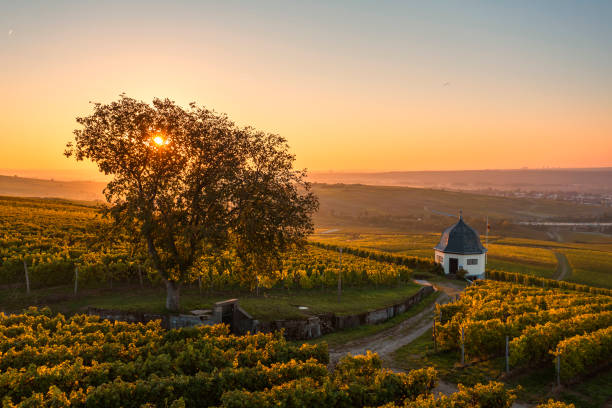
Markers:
point(241, 322)
point(167, 321)
point(316, 326)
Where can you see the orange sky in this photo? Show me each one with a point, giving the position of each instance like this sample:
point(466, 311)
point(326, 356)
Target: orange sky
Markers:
point(353, 86)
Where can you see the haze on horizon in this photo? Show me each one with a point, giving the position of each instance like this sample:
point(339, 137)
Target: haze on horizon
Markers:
point(366, 86)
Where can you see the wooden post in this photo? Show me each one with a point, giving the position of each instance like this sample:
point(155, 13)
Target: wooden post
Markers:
point(434, 334)
point(27, 277)
point(558, 368)
point(462, 348)
point(76, 279)
point(200, 284)
point(340, 277)
point(507, 355)
point(140, 276)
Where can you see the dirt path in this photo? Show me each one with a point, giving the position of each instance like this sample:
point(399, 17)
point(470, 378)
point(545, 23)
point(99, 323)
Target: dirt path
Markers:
point(564, 270)
point(386, 342)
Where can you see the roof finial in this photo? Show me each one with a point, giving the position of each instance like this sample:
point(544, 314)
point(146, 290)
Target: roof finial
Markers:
point(460, 214)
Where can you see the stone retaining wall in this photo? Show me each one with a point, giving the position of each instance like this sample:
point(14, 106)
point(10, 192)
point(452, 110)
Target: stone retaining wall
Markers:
point(316, 326)
point(167, 321)
point(241, 322)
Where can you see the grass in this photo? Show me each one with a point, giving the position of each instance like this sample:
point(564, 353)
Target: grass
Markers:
point(344, 336)
point(586, 237)
point(522, 259)
point(592, 392)
point(420, 353)
point(590, 267)
point(405, 244)
point(529, 259)
point(536, 385)
point(271, 305)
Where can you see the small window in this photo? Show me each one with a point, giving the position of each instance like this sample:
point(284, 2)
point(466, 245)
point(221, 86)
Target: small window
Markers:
point(472, 261)
point(440, 259)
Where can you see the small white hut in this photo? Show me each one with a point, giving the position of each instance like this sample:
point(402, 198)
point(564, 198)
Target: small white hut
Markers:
point(460, 248)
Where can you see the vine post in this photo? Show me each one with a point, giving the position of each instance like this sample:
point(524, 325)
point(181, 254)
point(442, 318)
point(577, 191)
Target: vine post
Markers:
point(507, 355)
point(462, 347)
point(76, 279)
point(340, 277)
point(140, 276)
point(434, 334)
point(27, 277)
point(558, 367)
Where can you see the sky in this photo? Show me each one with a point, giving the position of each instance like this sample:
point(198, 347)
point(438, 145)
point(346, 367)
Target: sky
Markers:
point(353, 85)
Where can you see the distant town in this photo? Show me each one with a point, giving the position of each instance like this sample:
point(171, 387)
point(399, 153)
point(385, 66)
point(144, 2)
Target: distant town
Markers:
point(591, 198)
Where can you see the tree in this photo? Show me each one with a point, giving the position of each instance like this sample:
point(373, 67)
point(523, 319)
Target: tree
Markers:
point(190, 183)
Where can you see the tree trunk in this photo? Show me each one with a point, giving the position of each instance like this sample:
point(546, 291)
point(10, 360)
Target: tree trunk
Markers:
point(173, 290)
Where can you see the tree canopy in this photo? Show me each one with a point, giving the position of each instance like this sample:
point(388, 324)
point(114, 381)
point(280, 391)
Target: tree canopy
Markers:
point(188, 182)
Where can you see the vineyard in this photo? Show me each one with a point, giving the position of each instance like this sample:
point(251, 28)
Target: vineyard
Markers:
point(542, 326)
point(54, 361)
point(52, 238)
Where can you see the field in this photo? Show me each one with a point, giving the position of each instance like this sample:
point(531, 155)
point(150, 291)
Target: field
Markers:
point(533, 260)
point(591, 263)
point(53, 237)
point(541, 325)
point(271, 304)
point(378, 264)
point(590, 267)
point(53, 361)
point(400, 209)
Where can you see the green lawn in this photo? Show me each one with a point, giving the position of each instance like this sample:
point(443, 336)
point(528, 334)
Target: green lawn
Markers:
point(270, 305)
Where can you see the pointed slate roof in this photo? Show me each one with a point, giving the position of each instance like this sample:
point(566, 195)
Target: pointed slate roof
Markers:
point(460, 239)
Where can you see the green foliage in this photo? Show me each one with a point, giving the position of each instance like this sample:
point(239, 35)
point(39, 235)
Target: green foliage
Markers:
point(82, 361)
point(555, 404)
point(537, 321)
point(402, 260)
point(188, 182)
point(491, 395)
point(581, 353)
point(55, 237)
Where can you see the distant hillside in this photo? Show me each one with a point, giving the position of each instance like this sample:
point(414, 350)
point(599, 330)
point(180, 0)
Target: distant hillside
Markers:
point(398, 208)
point(418, 209)
point(596, 180)
point(72, 190)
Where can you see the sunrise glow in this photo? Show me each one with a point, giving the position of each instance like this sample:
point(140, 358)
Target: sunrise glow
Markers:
point(420, 86)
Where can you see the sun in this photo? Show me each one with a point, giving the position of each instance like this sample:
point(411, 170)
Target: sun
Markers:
point(158, 140)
